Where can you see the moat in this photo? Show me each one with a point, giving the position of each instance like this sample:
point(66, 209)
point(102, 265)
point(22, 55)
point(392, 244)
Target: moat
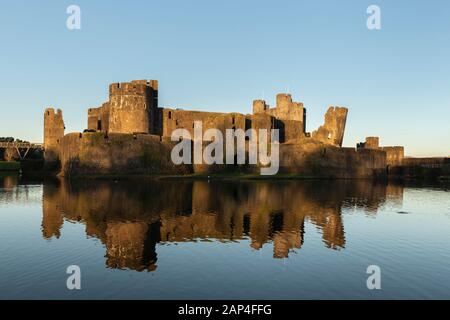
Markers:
point(171, 239)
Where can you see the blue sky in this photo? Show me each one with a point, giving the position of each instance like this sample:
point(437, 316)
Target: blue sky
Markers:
point(220, 55)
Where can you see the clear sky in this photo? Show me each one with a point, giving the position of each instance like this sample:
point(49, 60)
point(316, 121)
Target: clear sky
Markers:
point(221, 55)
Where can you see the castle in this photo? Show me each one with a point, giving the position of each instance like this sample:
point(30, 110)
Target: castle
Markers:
point(133, 109)
point(130, 133)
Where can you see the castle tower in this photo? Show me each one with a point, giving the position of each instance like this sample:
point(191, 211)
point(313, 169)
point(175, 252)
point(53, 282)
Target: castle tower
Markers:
point(133, 106)
point(53, 132)
point(259, 106)
point(284, 101)
point(372, 143)
point(332, 131)
point(98, 118)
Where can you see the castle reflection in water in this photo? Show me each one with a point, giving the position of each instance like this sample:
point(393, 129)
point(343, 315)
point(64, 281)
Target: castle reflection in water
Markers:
point(131, 217)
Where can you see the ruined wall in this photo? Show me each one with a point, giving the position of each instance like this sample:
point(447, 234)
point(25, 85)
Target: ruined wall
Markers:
point(181, 119)
point(173, 119)
point(285, 109)
point(98, 118)
point(291, 115)
point(94, 119)
point(259, 106)
point(394, 155)
point(53, 133)
point(133, 106)
point(332, 131)
point(98, 153)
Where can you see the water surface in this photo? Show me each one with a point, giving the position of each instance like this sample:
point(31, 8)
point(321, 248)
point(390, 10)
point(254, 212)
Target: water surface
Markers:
point(149, 239)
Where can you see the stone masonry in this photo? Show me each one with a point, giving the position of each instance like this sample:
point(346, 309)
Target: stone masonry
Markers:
point(53, 133)
point(394, 154)
point(130, 133)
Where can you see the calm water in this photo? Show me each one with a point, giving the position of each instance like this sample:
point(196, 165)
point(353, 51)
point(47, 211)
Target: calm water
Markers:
point(211, 240)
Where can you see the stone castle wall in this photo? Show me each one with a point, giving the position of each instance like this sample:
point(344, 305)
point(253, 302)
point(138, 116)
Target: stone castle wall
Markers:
point(173, 119)
point(98, 118)
point(121, 154)
point(117, 153)
point(394, 155)
point(316, 159)
point(290, 115)
point(333, 129)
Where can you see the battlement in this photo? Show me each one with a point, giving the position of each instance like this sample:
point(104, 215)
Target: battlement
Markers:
point(259, 106)
point(284, 100)
point(50, 112)
point(135, 87)
point(94, 111)
point(394, 154)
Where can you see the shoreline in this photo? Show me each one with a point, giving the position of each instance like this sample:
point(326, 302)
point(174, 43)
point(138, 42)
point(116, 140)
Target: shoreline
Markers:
point(227, 177)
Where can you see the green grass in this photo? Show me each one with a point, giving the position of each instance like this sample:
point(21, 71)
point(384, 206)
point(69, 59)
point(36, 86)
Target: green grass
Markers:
point(9, 166)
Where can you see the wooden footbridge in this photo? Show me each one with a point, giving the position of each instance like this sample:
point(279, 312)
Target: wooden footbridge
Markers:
point(22, 148)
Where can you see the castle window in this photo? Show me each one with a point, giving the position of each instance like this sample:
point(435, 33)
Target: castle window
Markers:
point(232, 120)
point(170, 114)
point(248, 124)
point(99, 124)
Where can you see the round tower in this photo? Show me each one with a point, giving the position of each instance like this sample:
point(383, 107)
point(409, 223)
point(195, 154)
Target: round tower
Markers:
point(133, 106)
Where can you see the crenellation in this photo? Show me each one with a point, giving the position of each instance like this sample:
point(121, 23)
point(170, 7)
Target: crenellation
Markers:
point(284, 101)
point(259, 106)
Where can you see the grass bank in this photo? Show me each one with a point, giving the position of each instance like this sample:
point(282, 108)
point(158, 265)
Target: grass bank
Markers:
point(9, 166)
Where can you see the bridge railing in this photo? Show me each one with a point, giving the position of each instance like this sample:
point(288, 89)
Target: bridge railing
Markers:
point(21, 145)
